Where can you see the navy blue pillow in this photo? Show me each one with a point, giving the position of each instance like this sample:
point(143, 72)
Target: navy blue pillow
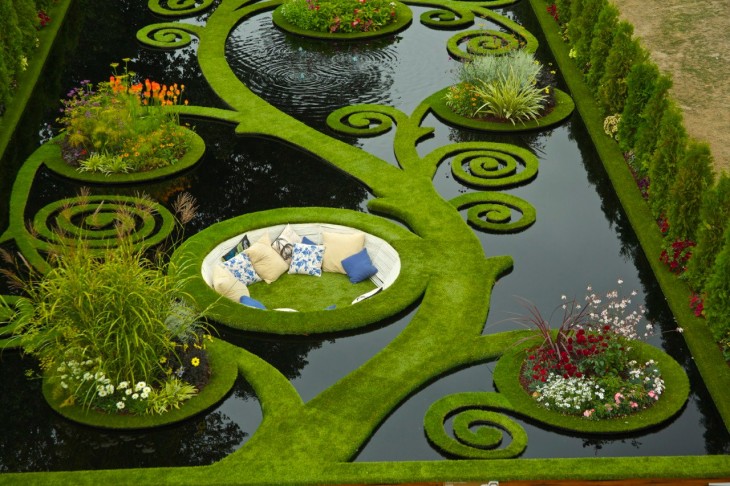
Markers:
point(307, 241)
point(249, 302)
point(240, 246)
point(359, 267)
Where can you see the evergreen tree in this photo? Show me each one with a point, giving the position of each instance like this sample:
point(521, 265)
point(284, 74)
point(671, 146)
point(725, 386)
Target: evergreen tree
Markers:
point(647, 130)
point(603, 34)
point(640, 82)
point(671, 145)
point(714, 220)
point(576, 10)
point(694, 177)
point(10, 38)
point(717, 290)
point(624, 52)
point(28, 23)
point(4, 86)
point(586, 24)
point(563, 11)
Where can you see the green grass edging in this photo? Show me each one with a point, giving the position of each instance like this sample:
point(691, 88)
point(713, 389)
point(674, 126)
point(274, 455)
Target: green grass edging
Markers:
point(564, 107)
point(225, 370)
point(707, 357)
point(28, 80)
point(409, 285)
point(191, 157)
point(404, 16)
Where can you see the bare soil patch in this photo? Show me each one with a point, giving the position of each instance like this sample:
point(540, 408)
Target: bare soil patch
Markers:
point(690, 39)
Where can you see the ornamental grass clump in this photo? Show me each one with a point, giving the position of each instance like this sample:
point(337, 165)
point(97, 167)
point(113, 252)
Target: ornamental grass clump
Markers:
point(340, 16)
point(589, 366)
point(113, 329)
point(123, 125)
point(512, 87)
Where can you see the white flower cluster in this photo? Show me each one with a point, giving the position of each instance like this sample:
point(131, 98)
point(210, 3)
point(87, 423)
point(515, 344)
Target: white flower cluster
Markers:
point(649, 376)
point(568, 394)
point(616, 313)
point(75, 371)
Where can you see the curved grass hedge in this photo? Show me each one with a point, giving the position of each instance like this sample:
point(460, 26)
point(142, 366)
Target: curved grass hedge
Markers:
point(224, 372)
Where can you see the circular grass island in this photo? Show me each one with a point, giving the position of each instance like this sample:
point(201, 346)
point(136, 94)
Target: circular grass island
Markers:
point(222, 359)
point(404, 16)
point(54, 161)
point(563, 108)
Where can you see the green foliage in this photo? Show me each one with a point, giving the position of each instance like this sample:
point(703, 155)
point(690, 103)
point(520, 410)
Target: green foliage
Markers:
point(647, 129)
point(110, 311)
point(171, 395)
point(624, 52)
point(641, 82)
point(510, 99)
point(714, 221)
point(717, 289)
point(586, 23)
point(670, 148)
point(503, 87)
point(121, 127)
point(11, 47)
point(490, 68)
point(563, 10)
point(694, 176)
point(28, 23)
point(340, 16)
point(603, 34)
point(574, 33)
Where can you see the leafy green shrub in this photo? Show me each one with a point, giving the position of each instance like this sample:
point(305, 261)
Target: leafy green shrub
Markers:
point(27, 14)
point(717, 302)
point(339, 16)
point(694, 177)
point(122, 126)
point(603, 34)
point(641, 82)
point(625, 51)
point(170, 396)
point(586, 22)
point(563, 10)
point(714, 221)
point(572, 29)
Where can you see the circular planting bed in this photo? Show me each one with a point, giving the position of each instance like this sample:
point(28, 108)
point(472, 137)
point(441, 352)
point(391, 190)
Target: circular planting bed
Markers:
point(222, 359)
point(328, 303)
point(563, 108)
point(59, 166)
point(404, 16)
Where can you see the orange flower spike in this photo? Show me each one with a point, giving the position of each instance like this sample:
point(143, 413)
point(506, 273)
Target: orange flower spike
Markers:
point(147, 84)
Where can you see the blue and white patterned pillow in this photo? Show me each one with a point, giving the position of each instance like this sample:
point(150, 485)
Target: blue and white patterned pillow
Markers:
point(307, 259)
point(242, 268)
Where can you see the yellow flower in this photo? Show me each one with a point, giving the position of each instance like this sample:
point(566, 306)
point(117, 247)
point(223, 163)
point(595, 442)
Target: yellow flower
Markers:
point(163, 360)
point(195, 361)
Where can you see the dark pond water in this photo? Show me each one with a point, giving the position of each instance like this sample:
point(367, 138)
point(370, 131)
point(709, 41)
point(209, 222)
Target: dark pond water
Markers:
point(581, 237)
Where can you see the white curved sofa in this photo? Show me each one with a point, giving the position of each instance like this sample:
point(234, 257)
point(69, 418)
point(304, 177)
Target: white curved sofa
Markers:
point(383, 255)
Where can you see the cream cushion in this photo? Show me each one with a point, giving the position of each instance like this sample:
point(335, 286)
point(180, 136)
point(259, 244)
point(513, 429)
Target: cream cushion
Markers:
point(265, 260)
point(284, 243)
point(338, 246)
point(227, 285)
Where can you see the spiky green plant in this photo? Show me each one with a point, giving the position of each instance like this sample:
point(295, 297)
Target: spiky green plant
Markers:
point(510, 99)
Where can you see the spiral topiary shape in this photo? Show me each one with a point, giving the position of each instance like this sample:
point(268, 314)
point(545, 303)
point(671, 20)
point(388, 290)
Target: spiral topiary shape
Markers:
point(99, 220)
point(447, 18)
point(492, 211)
point(481, 42)
point(492, 165)
point(168, 35)
point(364, 120)
point(175, 8)
point(469, 411)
